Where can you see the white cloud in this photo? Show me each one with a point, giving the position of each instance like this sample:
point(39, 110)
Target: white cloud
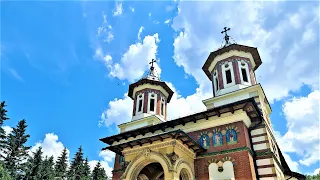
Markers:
point(139, 33)
point(283, 54)
point(50, 146)
point(292, 164)
point(118, 10)
point(302, 136)
point(135, 61)
point(317, 171)
point(131, 9)
point(118, 111)
point(167, 21)
point(104, 32)
point(7, 129)
point(107, 157)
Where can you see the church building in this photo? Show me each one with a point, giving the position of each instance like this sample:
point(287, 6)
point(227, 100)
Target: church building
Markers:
point(232, 139)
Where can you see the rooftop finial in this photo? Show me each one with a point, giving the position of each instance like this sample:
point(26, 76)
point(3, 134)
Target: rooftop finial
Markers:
point(152, 74)
point(226, 36)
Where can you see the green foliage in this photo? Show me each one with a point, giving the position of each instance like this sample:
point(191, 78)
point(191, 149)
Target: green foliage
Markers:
point(61, 164)
point(99, 173)
point(34, 165)
point(86, 170)
point(15, 151)
point(4, 174)
point(76, 167)
point(313, 177)
point(3, 117)
point(47, 171)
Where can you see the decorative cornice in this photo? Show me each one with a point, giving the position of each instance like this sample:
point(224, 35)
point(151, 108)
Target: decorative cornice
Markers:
point(245, 148)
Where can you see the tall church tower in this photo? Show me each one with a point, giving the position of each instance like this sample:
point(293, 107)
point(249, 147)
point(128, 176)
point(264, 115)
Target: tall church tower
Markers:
point(150, 97)
point(231, 70)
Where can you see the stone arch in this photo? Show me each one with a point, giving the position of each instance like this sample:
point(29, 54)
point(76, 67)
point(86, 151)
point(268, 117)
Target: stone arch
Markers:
point(184, 169)
point(142, 160)
point(226, 173)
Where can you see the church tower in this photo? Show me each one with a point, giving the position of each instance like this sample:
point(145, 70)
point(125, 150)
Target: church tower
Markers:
point(150, 97)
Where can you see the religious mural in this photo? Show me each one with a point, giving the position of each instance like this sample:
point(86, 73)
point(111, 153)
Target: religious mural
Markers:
point(217, 137)
point(204, 140)
point(231, 135)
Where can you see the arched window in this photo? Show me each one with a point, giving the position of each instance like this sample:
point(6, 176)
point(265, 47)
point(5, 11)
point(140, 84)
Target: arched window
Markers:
point(121, 159)
point(217, 139)
point(215, 81)
point(228, 74)
point(204, 141)
point(244, 72)
point(139, 103)
point(231, 136)
point(162, 108)
point(152, 103)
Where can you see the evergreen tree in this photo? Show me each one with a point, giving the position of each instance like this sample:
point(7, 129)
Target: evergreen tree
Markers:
point(3, 117)
point(34, 165)
point(99, 173)
point(61, 164)
point(86, 170)
point(76, 167)
point(4, 174)
point(47, 172)
point(15, 151)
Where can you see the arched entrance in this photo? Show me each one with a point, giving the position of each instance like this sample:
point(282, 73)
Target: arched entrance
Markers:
point(152, 171)
point(184, 175)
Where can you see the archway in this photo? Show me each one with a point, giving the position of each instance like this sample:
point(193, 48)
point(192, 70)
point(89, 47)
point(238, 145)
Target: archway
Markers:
point(152, 171)
point(184, 175)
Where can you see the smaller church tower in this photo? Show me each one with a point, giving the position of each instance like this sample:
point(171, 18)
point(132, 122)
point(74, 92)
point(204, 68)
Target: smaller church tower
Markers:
point(150, 97)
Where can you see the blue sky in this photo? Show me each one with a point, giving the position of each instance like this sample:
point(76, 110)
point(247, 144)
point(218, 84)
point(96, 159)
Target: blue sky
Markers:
point(66, 66)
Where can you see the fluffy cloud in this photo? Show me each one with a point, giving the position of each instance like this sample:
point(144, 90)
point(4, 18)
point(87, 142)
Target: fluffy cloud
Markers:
point(283, 54)
point(107, 157)
point(50, 146)
point(135, 61)
point(302, 137)
point(118, 10)
point(7, 129)
point(118, 111)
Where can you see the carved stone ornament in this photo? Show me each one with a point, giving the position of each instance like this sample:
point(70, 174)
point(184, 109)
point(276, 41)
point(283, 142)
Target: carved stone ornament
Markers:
point(173, 157)
point(146, 152)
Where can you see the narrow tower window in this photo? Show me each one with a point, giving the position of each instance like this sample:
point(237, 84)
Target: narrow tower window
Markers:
point(228, 76)
point(140, 105)
point(244, 75)
point(151, 104)
point(162, 109)
point(217, 85)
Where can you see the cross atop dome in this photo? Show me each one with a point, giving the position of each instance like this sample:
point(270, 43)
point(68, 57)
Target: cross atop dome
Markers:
point(153, 75)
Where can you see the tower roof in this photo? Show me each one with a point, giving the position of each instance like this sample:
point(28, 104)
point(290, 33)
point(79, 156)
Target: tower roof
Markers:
point(252, 50)
point(151, 78)
point(152, 82)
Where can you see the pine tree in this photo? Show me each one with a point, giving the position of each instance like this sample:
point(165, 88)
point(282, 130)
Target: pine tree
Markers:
point(99, 173)
point(34, 165)
point(47, 172)
point(3, 117)
point(15, 151)
point(61, 164)
point(86, 170)
point(76, 167)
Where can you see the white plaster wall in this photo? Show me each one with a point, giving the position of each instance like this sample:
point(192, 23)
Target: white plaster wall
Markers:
point(260, 146)
point(257, 131)
point(261, 162)
point(262, 171)
point(135, 126)
point(258, 139)
point(227, 173)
